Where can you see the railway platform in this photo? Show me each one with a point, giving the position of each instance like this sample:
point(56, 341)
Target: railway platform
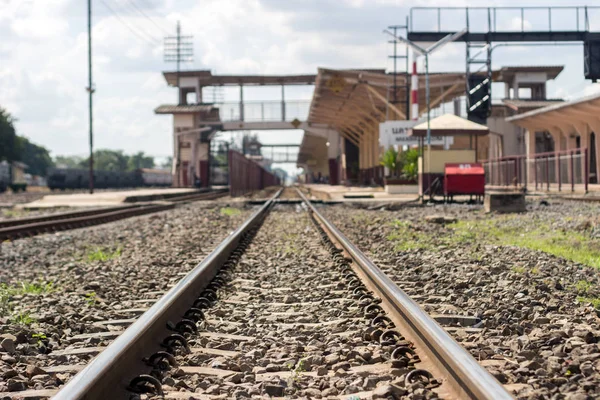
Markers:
point(100, 199)
point(351, 193)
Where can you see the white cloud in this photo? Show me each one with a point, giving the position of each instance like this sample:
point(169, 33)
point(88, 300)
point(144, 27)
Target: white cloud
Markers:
point(593, 88)
point(43, 73)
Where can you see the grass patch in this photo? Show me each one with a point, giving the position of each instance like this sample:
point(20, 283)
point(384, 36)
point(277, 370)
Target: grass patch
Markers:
point(22, 318)
point(405, 237)
point(90, 298)
point(230, 211)
point(583, 286)
point(35, 288)
point(15, 213)
point(290, 245)
point(99, 254)
point(8, 292)
point(570, 245)
point(594, 301)
point(41, 338)
point(518, 270)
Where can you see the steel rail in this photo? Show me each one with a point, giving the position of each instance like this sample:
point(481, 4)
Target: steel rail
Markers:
point(62, 215)
point(460, 369)
point(109, 374)
point(79, 222)
point(69, 220)
point(201, 196)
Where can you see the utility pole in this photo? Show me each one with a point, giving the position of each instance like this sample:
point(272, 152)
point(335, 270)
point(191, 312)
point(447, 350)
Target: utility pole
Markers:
point(178, 61)
point(90, 90)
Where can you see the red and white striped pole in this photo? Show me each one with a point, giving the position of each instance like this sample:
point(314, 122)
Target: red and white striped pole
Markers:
point(414, 93)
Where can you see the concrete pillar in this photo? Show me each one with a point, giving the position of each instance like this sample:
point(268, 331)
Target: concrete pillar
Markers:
point(180, 122)
point(241, 102)
point(558, 147)
point(175, 163)
point(198, 92)
point(595, 127)
point(530, 151)
point(584, 143)
point(333, 152)
point(203, 163)
point(515, 88)
point(193, 167)
point(361, 160)
point(506, 91)
point(343, 166)
point(283, 102)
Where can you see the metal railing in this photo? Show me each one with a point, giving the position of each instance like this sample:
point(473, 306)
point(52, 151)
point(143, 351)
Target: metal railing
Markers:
point(542, 171)
point(512, 19)
point(264, 111)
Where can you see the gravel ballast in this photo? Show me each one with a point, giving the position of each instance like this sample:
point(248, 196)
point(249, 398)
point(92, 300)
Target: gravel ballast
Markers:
point(58, 286)
point(533, 327)
point(288, 326)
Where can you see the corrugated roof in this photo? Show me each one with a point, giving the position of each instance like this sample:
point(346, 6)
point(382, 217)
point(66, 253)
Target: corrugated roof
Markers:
point(526, 103)
point(555, 107)
point(208, 79)
point(518, 68)
point(183, 109)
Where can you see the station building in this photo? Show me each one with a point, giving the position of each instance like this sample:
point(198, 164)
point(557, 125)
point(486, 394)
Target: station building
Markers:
point(196, 120)
point(341, 123)
point(353, 103)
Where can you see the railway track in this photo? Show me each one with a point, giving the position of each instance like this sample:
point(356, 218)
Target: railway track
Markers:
point(22, 227)
point(242, 324)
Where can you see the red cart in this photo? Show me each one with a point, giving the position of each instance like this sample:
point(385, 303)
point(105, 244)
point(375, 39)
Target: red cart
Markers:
point(464, 179)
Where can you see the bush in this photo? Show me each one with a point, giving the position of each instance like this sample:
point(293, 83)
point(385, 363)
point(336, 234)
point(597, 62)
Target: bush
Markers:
point(390, 161)
point(409, 164)
point(403, 164)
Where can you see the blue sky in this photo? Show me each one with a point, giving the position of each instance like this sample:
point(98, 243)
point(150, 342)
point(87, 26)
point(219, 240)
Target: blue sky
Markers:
point(43, 67)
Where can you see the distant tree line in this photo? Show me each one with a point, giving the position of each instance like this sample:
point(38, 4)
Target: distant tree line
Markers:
point(108, 160)
point(18, 148)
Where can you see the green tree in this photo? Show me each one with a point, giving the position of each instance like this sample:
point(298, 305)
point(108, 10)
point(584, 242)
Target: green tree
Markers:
point(69, 161)
point(108, 160)
point(168, 163)
point(139, 160)
point(9, 149)
point(36, 157)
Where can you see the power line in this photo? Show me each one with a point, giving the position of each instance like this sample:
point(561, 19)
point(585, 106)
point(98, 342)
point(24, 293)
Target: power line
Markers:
point(143, 36)
point(132, 2)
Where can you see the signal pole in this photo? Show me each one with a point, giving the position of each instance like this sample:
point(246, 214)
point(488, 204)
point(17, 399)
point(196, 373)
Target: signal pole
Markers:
point(179, 49)
point(90, 90)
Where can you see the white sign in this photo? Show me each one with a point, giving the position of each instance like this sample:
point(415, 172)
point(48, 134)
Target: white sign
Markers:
point(396, 133)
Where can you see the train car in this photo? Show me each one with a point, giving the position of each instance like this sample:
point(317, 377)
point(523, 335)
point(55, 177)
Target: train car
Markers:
point(72, 178)
point(65, 178)
point(155, 177)
point(5, 176)
point(12, 175)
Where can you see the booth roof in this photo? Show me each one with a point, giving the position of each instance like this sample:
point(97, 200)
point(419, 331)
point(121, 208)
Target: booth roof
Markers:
point(450, 125)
